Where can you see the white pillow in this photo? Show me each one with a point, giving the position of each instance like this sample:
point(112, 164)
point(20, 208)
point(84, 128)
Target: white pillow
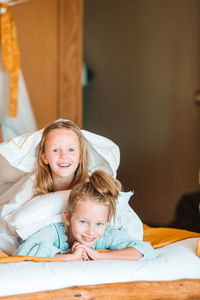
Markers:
point(43, 210)
point(39, 208)
point(20, 152)
point(126, 218)
point(8, 173)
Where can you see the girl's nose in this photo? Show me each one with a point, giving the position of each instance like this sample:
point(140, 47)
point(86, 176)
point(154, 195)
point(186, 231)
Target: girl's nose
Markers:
point(90, 230)
point(63, 154)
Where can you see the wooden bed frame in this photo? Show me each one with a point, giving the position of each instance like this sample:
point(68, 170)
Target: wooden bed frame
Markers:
point(176, 289)
point(146, 289)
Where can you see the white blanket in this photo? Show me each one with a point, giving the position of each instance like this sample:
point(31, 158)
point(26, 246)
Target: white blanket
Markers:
point(173, 262)
point(17, 160)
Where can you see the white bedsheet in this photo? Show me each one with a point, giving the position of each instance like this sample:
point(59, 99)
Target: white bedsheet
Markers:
point(174, 261)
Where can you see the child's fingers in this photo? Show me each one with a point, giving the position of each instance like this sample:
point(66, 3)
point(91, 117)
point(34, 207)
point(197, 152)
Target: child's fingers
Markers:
point(75, 246)
point(82, 246)
point(87, 251)
point(91, 253)
point(80, 252)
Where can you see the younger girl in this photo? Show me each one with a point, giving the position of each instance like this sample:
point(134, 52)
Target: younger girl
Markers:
point(86, 229)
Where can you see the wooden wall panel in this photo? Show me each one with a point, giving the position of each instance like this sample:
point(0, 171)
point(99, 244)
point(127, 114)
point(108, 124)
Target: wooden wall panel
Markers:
point(50, 41)
point(36, 22)
point(70, 60)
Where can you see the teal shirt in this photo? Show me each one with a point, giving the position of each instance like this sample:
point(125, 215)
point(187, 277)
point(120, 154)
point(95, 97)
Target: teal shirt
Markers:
point(52, 239)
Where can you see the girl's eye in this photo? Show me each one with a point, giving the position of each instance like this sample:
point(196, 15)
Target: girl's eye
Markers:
point(99, 224)
point(83, 222)
point(71, 149)
point(55, 150)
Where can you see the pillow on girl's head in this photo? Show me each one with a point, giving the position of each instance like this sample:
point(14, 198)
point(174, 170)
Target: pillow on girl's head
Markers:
point(104, 153)
point(9, 173)
point(20, 151)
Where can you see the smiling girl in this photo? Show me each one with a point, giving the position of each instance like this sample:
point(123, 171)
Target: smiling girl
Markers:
point(86, 229)
point(62, 158)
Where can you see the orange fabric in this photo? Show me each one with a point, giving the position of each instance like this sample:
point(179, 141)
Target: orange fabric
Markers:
point(160, 236)
point(10, 56)
point(4, 258)
point(198, 248)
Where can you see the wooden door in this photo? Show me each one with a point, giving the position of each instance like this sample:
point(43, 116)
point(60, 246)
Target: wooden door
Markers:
point(50, 41)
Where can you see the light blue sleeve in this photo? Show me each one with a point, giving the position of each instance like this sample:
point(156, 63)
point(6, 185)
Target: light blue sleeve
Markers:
point(43, 243)
point(114, 239)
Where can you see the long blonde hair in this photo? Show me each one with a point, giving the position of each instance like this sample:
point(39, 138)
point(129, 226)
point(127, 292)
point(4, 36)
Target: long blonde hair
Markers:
point(101, 188)
point(44, 181)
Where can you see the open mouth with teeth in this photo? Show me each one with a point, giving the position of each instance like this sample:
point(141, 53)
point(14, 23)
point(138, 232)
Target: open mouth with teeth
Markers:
point(64, 165)
point(88, 239)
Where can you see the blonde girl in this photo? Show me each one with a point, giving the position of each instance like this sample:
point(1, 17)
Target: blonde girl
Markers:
point(61, 162)
point(62, 158)
point(86, 232)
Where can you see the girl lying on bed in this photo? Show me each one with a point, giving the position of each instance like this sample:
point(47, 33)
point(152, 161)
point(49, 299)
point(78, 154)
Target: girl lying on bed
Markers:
point(86, 228)
point(62, 162)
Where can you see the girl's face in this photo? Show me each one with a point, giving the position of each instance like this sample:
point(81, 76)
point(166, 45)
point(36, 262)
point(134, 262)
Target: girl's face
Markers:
point(88, 223)
point(62, 154)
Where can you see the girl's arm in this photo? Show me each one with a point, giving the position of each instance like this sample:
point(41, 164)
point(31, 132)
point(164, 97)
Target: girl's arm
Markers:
point(67, 257)
point(129, 253)
point(118, 240)
point(77, 254)
point(43, 243)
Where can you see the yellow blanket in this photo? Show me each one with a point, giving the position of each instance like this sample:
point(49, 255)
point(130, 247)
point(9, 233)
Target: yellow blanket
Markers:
point(158, 237)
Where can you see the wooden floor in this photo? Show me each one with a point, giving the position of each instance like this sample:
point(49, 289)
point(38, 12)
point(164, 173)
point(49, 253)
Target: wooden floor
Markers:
point(178, 289)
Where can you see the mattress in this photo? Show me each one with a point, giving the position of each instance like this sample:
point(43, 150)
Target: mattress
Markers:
point(174, 261)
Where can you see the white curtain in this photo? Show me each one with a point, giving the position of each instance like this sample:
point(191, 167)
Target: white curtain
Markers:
point(25, 121)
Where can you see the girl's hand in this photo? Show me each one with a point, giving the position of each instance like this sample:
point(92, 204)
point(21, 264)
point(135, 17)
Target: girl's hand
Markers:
point(90, 252)
point(77, 254)
point(77, 249)
point(75, 245)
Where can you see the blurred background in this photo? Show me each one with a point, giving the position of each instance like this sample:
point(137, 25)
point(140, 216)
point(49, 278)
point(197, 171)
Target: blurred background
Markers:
point(141, 63)
point(145, 60)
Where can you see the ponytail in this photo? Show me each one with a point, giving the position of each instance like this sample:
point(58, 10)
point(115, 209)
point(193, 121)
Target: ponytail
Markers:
point(101, 188)
point(105, 184)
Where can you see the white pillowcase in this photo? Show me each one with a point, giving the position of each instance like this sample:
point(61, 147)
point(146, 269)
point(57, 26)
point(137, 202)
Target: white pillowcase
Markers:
point(45, 209)
point(9, 173)
point(39, 208)
point(20, 153)
point(38, 212)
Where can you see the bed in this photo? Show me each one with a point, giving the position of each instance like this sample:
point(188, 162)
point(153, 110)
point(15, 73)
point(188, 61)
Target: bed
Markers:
point(173, 274)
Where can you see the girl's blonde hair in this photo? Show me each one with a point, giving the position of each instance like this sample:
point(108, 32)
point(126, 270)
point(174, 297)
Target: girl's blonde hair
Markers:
point(44, 181)
point(101, 188)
